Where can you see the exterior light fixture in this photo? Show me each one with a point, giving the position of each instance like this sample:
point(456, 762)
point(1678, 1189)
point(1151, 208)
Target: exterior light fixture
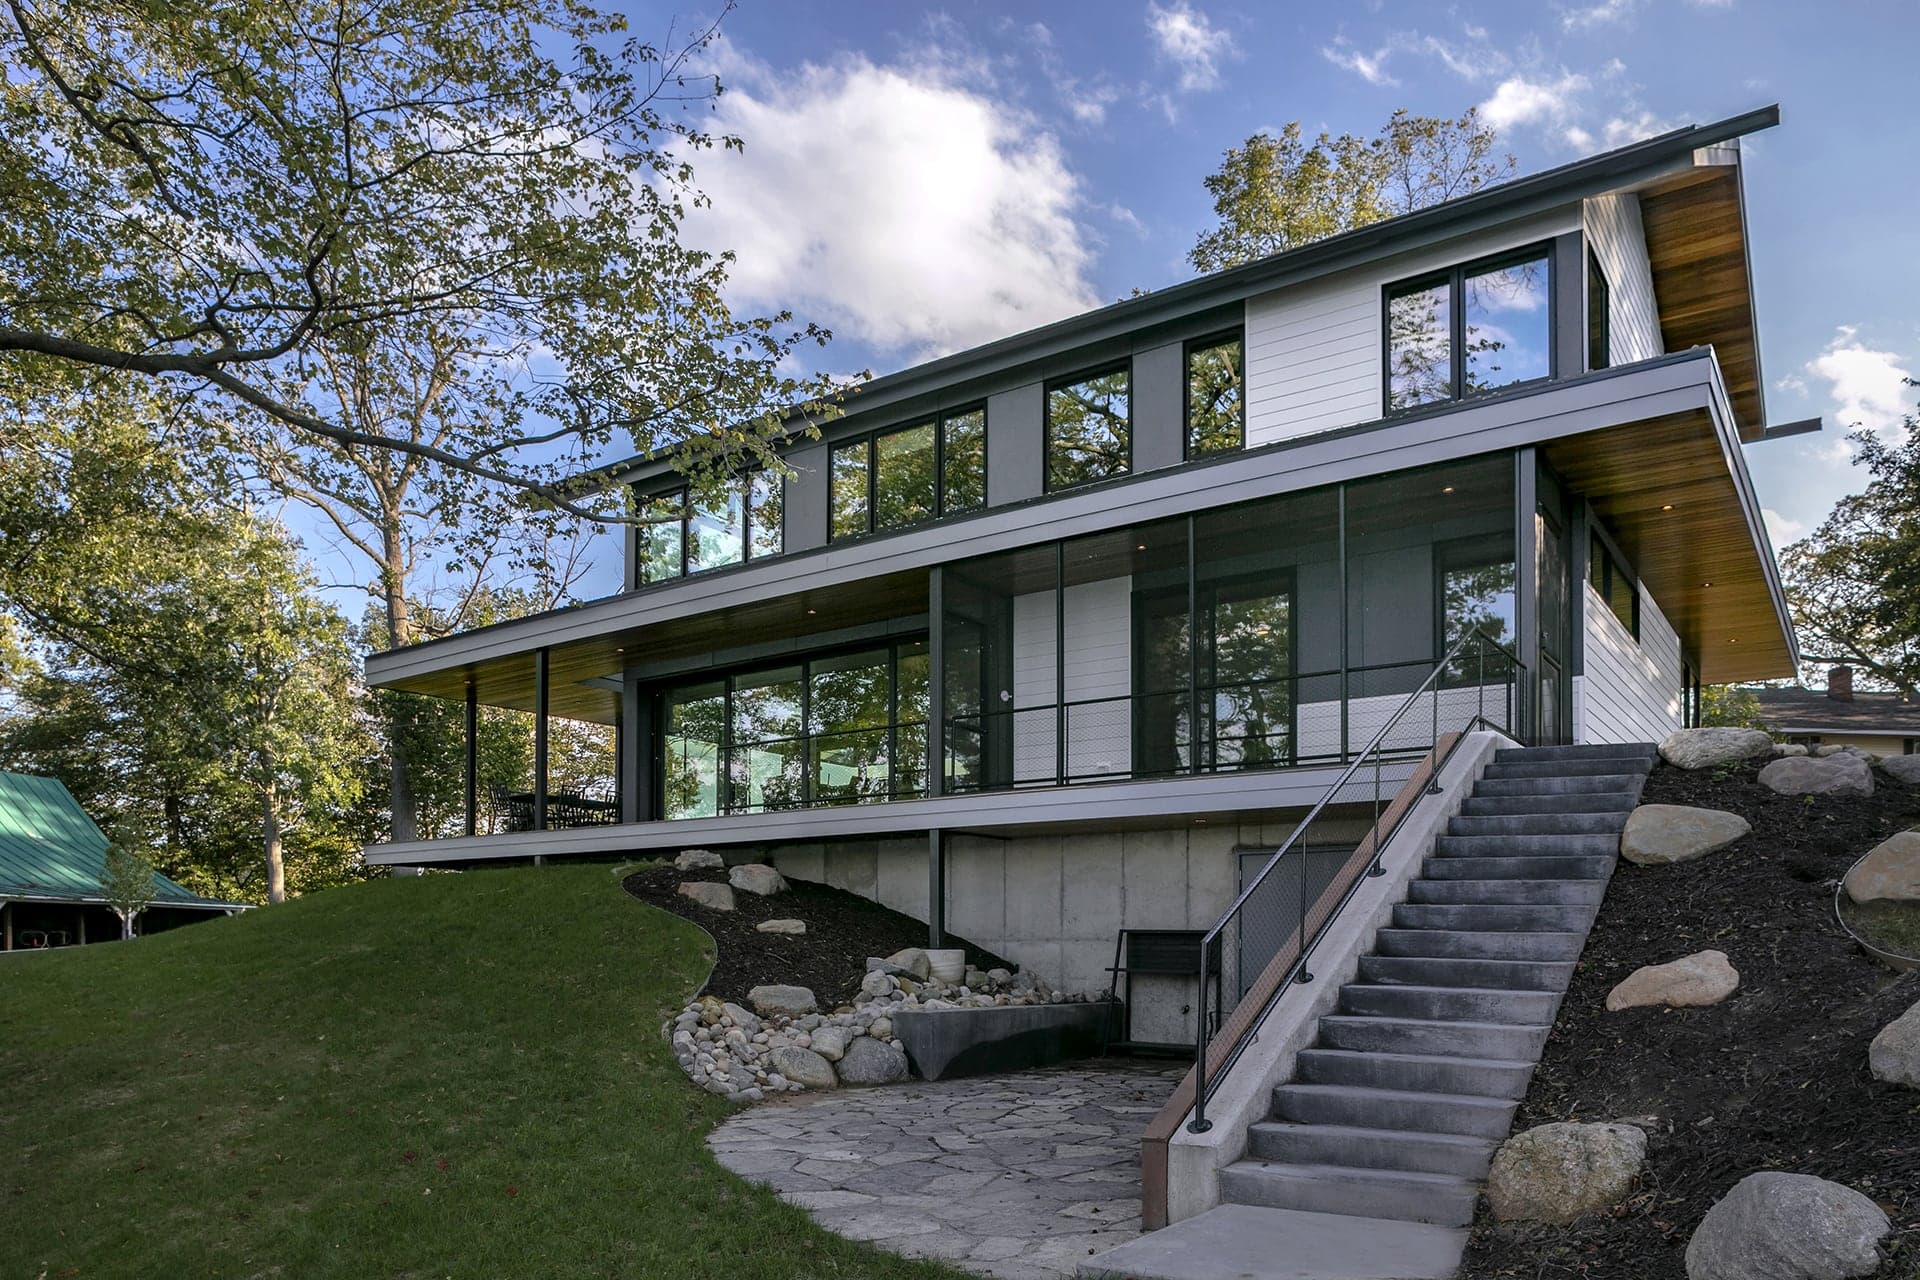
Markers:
point(1667, 507)
point(1141, 547)
point(1448, 489)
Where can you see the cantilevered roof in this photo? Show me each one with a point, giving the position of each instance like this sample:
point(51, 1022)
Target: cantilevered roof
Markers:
point(51, 851)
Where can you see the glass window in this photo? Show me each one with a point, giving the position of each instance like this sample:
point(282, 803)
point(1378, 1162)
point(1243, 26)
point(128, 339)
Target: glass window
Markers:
point(1089, 430)
point(1507, 333)
point(764, 494)
point(904, 481)
point(848, 499)
point(1614, 585)
point(1419, 345)
point(1216, 401)
point(964, 466)
point(849, 718)
point(661, 543)
point(1599, 315)
point(717, 530)
point(912, 702)
point(690, 754)
point(766, 764)
point(1477, 592)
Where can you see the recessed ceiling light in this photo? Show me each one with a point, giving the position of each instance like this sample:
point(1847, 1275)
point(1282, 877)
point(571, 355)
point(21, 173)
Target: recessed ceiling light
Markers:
point(811, 612)
point(1200, 822)
point(1141, 547)
point(1448, 489)
point(1667, 507)
point(1734, 641)
point(1706, 584)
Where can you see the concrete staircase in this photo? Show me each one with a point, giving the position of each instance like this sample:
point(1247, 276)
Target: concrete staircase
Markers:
point(1395, 1112)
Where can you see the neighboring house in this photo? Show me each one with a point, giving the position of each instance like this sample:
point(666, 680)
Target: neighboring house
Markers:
point(1883, 723)
point(1063, 633)
point(51, 860)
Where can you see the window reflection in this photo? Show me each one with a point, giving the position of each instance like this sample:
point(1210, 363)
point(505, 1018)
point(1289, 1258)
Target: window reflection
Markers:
point(1506, 325)
point(904, 491)
point(1419, 346)
point(1089, 430)
point(1216, 401)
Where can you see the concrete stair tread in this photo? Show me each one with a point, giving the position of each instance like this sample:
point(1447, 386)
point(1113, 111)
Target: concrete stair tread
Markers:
point(1465, 1101)
point(1235, 1241)
point(1459, 1141)
point(1464, 1024)
point(1415, 988)
point(1435, 1059)
point(1353, 1174)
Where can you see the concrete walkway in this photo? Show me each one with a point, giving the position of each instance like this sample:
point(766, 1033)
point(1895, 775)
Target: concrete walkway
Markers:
point(1022, 1176)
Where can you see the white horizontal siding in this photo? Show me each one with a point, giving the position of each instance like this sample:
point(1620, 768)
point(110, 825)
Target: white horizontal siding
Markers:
point(1099, 664)
point(1313, 350)
point(1620, 243)
point(1628, 692)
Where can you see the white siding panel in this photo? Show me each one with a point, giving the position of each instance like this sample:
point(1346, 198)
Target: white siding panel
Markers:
point(1629, 692)
point(1313, 350)
point(1099, 665)
point(1620, 243)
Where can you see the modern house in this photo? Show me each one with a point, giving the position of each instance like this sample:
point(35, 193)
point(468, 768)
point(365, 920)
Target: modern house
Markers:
point(51, 860)
point(1886, 724)
point(1062, 634)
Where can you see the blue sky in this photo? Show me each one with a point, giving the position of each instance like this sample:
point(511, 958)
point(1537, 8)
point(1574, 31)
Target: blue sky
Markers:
point(921, 179)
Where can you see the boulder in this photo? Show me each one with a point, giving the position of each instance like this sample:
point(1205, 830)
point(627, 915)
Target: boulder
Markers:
point(1658, 834)
point(1905, 768)
point(710, 894)
point(876, 985)
point(1890, 871)
point(781, 926)
point(791, 1001)
point(803, 1067)
point(742, 1019)
point(1704, 748)
point(871, 1061)
point(1557, 1172)
point(757, 878)
point(1841, 774)
point(831, 1042)
point(912, 961)
point(698, 860)
point(1790, 749)
point(881, 1029)
point(1787, 1226)
point(1699, 979)
point(1894, 1055)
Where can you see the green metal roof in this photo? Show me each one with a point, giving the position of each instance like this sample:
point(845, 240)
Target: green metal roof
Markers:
point(50, 850)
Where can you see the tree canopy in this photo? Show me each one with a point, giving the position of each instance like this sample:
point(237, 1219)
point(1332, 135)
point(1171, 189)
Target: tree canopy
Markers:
point(1277, 192)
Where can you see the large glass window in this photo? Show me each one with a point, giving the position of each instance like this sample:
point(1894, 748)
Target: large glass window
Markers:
point(1216, 398)
point(661, 544)
point(847, 728)
point(765, 512)
point(1614, 585)
point(905, 483)
point(963, 469)
point(738, 520)
point(1090, 429)
point(717, 530)
point(906, 475)
point(1599, 315)
point(1476, 328)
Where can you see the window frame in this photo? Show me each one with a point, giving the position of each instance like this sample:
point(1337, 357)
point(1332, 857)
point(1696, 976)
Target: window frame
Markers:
point(1605, 558)
point(1047, 388)
point(1476, 550)
point(869, 440)
point(1600, 341)
point(1455, 278)
point(744, 483)
point(1187, 350)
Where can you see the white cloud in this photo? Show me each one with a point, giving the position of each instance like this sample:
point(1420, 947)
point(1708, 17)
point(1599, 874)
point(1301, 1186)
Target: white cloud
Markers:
point(1783, 530)
point(1520, 100)
point(1603, 14)
point(1190, 42)
point(1868, 387)
point(1127, 218)
point(1472, 60)
point(906, 207)
point(1618, 131)
point(1369, 67)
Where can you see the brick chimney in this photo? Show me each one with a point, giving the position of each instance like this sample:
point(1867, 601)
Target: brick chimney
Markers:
point(1840, 684)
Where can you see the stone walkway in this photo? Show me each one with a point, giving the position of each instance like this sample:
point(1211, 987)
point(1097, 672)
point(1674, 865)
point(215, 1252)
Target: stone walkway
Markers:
point(1019, 1176)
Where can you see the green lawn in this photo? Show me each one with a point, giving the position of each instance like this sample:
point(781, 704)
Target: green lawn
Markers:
point(444, 1076)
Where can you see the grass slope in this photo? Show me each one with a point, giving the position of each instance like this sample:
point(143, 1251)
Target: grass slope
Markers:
point(445, 1076)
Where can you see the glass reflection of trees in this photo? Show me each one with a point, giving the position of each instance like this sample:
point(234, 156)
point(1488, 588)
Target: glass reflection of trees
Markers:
point(1089, 429)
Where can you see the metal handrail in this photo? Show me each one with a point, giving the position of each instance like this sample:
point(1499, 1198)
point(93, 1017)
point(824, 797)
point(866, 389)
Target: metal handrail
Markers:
point(1211, 970)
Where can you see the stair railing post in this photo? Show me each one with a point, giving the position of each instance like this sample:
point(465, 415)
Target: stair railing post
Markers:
point(1305, 856)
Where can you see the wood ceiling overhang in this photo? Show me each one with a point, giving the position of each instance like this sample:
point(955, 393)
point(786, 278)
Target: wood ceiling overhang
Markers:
point(1695, 223)
point(1668, 491)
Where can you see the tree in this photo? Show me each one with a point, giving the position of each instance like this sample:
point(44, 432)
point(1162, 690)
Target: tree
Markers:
point(1854, 583)
point(1275, 192)
point(1731, 706)
point(126, 881)
point(310, 210)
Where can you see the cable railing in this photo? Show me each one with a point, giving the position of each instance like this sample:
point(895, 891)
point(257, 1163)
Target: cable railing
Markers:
point(1273, 911)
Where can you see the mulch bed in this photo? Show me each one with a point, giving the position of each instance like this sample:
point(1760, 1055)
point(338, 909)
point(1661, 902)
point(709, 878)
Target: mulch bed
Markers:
point(1773, 1078)
point(829, 959)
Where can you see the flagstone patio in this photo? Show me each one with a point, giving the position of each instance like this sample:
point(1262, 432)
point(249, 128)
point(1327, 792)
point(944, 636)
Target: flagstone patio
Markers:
point(1021, 1176)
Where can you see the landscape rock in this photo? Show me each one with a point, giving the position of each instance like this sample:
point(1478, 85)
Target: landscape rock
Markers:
point(1702, 978)
point(1659, 834)
point(1557, 1172)
point(831, 1042)
point(1704, 748)
point(742, 1019)
point(791, 1001)
point(1890, 871)
point(913, 961)
point(804, 1067)
point(1787, 1226)
point(881, 1029)
point(1905, 768)
point(698, 860)
point(781, 926)
point(946, 964)
point(1840, 774)
point(877, 984)
point(1789, 749)
point(1894, 1055)
point(708, 893)
point(871, 1061)
point(757, 878)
